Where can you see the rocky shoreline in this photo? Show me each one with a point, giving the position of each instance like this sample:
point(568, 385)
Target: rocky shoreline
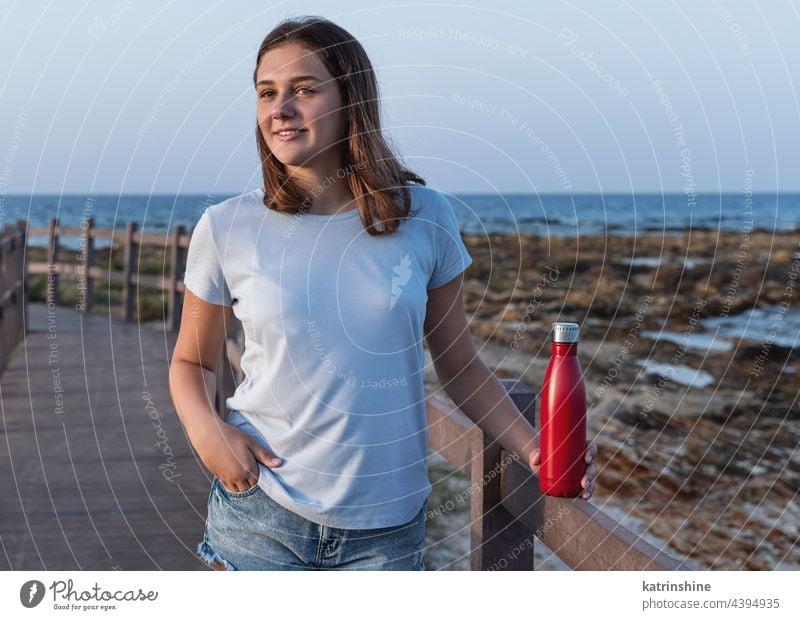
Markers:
point(708, 467)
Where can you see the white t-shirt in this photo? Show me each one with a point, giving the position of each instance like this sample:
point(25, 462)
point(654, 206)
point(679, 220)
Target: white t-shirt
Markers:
point(333, 357)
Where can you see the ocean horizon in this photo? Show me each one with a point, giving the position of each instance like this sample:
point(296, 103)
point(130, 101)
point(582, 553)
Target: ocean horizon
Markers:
point(546, 214)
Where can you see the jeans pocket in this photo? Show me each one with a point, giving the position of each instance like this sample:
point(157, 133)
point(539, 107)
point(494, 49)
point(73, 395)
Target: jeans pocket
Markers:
point(238, 494)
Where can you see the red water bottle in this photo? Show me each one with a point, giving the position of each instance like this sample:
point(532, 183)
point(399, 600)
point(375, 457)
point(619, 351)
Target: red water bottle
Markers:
point(563, 418)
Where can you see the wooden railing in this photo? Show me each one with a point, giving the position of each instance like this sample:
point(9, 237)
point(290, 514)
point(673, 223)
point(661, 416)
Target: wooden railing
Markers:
point(13, 301)
point(507, 510)
point(175, 244)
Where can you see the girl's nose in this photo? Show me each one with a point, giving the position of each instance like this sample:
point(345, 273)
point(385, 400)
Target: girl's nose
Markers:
point(283, 106)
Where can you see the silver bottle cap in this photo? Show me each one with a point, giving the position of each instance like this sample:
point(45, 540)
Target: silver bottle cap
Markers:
point(565, 332)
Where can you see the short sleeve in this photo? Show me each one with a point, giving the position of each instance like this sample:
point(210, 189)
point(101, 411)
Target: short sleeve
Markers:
point(203, 275)
point(452, 256)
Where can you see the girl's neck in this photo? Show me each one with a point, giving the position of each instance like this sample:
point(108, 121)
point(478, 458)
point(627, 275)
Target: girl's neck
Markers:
point(328, 192)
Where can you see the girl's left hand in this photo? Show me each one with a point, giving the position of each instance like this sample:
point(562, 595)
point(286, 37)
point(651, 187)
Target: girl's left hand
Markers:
point(587, 482)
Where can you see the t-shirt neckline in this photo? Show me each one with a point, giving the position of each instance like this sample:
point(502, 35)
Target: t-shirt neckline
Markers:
point(318, 217)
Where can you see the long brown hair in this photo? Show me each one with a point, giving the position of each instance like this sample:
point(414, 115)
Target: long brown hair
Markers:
point(377, 180)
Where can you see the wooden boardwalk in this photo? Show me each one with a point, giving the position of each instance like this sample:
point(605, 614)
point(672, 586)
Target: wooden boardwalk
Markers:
point(91, 441)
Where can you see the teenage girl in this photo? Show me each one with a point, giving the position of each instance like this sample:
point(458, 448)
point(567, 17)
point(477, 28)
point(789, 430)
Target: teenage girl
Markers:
point(338, 268)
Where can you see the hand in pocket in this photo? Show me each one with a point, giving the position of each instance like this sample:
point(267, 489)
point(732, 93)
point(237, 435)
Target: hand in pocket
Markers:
point(233, 457)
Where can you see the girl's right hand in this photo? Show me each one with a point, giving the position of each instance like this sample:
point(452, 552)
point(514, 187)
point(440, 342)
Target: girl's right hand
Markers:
point(233, 456)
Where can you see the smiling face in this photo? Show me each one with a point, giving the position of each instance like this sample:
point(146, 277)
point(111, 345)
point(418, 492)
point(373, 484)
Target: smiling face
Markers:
point(295, 90)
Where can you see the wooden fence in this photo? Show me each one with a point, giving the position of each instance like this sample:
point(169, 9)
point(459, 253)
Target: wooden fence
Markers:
point(131, 240)
point(13, 301)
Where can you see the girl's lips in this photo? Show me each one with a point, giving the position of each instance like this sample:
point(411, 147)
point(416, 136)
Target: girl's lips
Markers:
point(291, 136)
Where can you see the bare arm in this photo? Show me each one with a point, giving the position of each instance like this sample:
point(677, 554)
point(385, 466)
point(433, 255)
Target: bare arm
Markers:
point(465, 378)
point(473, 387)
point(228, 452)
point(192, 373)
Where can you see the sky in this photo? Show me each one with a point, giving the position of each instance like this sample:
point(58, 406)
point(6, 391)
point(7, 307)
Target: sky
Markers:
point(145, 96)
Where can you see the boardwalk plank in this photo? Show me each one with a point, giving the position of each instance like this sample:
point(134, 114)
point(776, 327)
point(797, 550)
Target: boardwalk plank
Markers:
point(83, 489)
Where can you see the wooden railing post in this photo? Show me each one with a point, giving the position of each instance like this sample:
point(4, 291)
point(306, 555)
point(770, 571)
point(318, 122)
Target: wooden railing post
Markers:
point(23, 272)
point(129, 270)
point(51, 294)
point(173, 299)
point(498, 540)
point(6, 272)
point(13, 305)
point(11, 294)
point(88, 242)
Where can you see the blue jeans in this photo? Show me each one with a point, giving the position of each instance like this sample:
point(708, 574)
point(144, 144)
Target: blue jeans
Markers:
point(249, 530)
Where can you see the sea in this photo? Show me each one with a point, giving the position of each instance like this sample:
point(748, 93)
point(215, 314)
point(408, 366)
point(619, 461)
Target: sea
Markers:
point(637, 214)
point(482, 214)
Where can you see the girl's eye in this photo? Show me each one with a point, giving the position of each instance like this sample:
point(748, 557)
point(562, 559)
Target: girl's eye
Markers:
point(268, 93)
